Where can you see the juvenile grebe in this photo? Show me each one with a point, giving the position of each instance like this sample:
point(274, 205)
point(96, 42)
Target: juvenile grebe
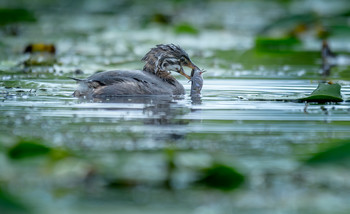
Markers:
point(154, 79)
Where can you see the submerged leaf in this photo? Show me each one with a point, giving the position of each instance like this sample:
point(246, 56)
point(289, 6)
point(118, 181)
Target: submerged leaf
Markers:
point(221, 177)
point(337, 154)
point(325, 93)
point(27, 149)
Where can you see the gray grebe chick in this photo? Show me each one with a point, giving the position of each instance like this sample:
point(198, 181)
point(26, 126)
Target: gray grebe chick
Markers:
point(196, 81)
point(154, 79)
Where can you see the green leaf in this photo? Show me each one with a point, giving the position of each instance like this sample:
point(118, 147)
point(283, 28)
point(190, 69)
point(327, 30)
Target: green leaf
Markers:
point(289, 22)
point(325, 93)
point(268, 43)
point(221, 177)
point(337, 154)
point(10, 204)
point(186, 28)
point(9, 16)
point(27, 149)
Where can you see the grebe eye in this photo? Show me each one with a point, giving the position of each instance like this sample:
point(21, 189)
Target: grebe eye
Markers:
point(182, 59)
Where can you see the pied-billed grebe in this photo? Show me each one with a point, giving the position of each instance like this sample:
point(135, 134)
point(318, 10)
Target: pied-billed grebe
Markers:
point(154, 79)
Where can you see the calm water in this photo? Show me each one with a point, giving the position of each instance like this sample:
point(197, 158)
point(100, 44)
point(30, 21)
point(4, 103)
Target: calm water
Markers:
point(252, 124)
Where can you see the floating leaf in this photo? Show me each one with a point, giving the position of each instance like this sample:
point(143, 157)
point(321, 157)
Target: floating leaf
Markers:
point(186, 28)
point(337, 154)
point(221, 177)
point(9, 16)
point(27, 149)
point(325, 93)
point(268, 43)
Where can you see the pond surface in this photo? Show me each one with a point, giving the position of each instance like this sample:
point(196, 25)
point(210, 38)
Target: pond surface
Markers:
point(144, 153)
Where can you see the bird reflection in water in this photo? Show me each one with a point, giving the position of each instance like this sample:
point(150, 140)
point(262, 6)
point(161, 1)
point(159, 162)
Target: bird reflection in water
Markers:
point(328, 59)
point(160, 111)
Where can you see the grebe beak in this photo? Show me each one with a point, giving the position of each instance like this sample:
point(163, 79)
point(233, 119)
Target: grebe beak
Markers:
point(184, 74)
point(190, 65)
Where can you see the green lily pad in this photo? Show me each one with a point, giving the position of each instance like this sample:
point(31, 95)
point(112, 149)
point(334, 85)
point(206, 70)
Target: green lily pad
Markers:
point(221, 177)
point(9, 16)
point(186, 28)
point(325, 93)
point(334, 155)
point(268, 43)
point(27, 149)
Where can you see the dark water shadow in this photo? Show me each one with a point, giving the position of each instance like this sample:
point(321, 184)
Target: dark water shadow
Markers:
point(135, 99)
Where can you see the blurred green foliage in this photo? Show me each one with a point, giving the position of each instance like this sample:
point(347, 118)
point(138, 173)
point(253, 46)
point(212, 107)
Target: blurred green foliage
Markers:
point(221, 177)
point(10, 16)
point(334, 155)
point(267, 43)
point(27, 148)
point(186, 28)
point(11, 205)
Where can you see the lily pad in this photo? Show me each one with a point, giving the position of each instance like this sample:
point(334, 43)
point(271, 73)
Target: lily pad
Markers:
point(221, 177)
point(337, 154)
point(325, 92)
point(267, 43)
point(9, 16)
point(27, 149)
point(186, 28)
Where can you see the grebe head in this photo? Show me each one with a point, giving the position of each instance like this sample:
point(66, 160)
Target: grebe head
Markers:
point(166, 58)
